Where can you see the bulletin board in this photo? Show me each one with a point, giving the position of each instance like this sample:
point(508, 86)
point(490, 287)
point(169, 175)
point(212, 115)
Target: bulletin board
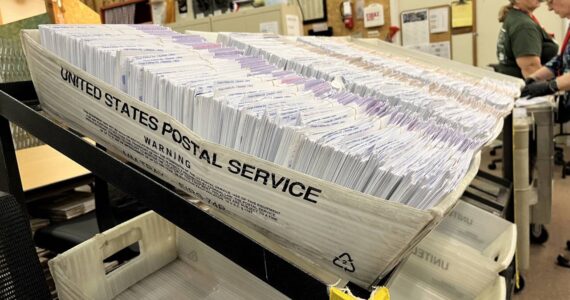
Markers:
point(428, 30)
point(464, 21)
point(335, 21)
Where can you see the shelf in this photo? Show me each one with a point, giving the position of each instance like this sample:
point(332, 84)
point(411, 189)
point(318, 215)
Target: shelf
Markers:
point(153, 193)
point(42, 166)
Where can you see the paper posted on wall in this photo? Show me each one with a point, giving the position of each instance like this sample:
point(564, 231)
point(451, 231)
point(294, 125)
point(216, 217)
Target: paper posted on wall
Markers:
point(415, 27)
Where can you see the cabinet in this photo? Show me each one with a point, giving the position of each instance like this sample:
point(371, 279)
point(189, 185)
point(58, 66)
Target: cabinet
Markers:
point(285, 19)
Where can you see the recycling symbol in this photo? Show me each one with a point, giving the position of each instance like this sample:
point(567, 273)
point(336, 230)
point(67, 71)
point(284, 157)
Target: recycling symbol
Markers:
point(344, 261)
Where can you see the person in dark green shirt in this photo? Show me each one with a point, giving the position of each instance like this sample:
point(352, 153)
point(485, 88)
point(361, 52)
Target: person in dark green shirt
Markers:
point(523, 45)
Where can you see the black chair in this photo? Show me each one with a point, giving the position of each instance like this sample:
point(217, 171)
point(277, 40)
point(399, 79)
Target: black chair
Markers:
point(495, 161)
point(559, 151)
point(21, 275)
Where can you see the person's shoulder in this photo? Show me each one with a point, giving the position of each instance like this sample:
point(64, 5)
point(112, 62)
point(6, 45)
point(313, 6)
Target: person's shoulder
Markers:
point(519, 21)
point(517, 17)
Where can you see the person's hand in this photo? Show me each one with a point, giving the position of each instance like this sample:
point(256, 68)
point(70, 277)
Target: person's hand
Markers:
point(529, 80)
point(539, 88)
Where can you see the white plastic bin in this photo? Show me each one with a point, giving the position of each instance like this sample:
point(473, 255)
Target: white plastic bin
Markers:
point(460, 259)
point(405, 288)
point(171, 265)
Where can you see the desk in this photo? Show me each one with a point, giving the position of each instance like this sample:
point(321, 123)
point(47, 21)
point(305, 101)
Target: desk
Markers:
point(42, 165)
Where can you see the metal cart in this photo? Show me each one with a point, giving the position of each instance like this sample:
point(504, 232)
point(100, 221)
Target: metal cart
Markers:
point(17, 103)
point(532, 207)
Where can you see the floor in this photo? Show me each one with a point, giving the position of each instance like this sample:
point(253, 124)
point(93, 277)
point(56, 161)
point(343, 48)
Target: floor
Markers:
point(545, 279)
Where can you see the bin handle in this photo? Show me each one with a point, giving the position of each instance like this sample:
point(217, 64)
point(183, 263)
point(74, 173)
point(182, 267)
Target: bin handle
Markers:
point(505, 250)
point(115, 244)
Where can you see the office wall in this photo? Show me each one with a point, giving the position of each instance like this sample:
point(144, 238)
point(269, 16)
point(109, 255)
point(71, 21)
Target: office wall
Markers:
point(334, 20)
point(14, 10)
point(415, 4)
point(461, 45)
point(487, 28)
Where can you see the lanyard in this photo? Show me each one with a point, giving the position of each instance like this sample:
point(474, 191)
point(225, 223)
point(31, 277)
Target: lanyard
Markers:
point(566, 39)
point(535, 19)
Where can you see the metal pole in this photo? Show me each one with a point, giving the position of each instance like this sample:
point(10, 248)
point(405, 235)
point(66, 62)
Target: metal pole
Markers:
point(9, 174)
point(541, 211)
point(522, 190)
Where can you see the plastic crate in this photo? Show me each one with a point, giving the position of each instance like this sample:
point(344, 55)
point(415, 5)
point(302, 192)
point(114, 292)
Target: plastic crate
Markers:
point(406, 288)
point(171, 265)
point(460, 259)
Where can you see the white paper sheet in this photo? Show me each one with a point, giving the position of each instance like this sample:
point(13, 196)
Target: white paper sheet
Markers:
point(439, 19)
point(269, 27)
point(442, 49)
point(524, 102)
point(312, 9)
point(293, 27)
point(415, 27)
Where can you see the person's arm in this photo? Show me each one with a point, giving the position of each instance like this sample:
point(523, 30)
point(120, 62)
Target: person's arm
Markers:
point(543, 73)
point(550, 69)
point(528, 65)
point(526, 45)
